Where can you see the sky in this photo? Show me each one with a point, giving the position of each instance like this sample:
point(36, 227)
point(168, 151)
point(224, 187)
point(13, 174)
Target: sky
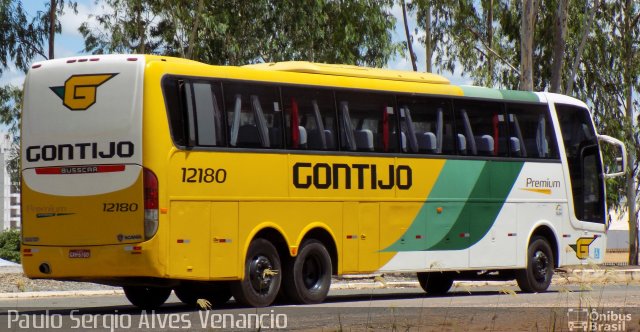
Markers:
point(70, 42)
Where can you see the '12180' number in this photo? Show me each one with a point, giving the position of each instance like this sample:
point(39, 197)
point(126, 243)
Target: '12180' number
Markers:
point(206, 175)
point(119, 207)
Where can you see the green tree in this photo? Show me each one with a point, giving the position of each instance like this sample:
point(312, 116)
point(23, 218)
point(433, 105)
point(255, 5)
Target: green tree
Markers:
point(609, 78)
point(10, 245)
point(240, 32)
point(10, 116)
point(435, 19)
point(54, 10)
point(22, 39)
point(127, 28)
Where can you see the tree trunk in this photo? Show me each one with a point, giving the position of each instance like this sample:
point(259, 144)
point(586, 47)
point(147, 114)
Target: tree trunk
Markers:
point(631, 183)
point(490, 44)
point(526, 45)
point(52, 27)
point(559, 43)
point(427, 39)
point(194, 31)
point(141, 27)
point(631, 189)
point(583, 42)
point(406, 31)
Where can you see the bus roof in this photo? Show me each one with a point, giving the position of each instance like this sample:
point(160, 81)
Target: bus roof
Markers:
point(393, 75)
point(400, 76)
point(351, 71)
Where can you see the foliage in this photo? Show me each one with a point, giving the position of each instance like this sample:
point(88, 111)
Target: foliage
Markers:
point(126, 28)
point(240, 32)
point(20, 38)
point(10, 116)
point(53, 10)
point(10, 245)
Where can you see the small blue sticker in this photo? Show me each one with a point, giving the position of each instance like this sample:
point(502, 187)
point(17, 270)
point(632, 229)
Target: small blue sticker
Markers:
point(596, 253)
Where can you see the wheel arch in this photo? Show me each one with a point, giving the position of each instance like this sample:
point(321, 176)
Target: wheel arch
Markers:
point(270, 232)
point(547, 231)
point(323, 234)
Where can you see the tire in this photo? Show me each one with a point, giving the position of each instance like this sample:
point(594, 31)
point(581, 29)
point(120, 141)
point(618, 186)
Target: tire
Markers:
point(258, 289)
point(435, 283)
point(536, 278)
point(307, 278)
point(217, 293)
point(147, 297)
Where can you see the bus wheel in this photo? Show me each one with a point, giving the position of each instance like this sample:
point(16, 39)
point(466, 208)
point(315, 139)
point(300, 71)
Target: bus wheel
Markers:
point(308, 278)
point(435, 283)
point(216, 293)
point(537, 276)
point(262, 275)
point(146, 297)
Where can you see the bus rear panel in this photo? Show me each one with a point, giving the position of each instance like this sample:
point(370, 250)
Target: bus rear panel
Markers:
point(83, 184)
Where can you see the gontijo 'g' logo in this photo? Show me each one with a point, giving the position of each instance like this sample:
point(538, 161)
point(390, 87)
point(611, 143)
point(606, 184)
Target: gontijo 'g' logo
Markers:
point(79, 91)
point(582, 247)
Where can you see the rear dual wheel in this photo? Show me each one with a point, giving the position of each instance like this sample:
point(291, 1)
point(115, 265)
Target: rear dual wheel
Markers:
point(262, 275)
point(217, 293)
point(147, 297)
point(307, 278)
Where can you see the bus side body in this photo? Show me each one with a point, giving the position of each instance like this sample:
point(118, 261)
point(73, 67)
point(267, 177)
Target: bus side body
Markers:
point(407, 213)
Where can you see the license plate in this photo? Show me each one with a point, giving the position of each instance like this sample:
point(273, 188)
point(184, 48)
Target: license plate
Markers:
point(79, 253)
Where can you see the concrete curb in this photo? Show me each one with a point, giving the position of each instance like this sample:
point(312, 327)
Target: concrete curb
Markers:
point(603, 275)
point(25, 295)
point(375, 285)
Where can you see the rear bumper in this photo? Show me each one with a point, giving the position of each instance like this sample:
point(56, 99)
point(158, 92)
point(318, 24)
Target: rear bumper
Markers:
point(93, 262)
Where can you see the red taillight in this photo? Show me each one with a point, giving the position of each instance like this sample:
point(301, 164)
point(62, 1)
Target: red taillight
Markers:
point(150, 190)
point(150, 203)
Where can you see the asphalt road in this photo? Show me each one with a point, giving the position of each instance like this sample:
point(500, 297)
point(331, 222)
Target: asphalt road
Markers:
point(486, 308)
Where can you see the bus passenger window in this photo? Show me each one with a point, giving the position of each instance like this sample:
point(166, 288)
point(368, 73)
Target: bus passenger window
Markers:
point(310, 119)
point(481, 129)
point(194, 111)
point(425, 125)
point(367, 122)
point(531, 131)
point(208, 115)
point(254, 115)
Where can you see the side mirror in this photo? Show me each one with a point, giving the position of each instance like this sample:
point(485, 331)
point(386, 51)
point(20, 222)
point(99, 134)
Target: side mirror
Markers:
point(621, 160)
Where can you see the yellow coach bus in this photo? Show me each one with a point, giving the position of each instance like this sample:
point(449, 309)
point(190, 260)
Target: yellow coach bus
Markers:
point(160, 174)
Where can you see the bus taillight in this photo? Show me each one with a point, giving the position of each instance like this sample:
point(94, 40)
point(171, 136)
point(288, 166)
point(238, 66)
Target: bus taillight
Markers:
point(150, 204)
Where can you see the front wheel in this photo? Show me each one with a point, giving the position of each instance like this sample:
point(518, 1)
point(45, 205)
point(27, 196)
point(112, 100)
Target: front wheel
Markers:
point(262, 275)
point(147, 297)
point(435, 283)
point(537, 276)
point(307, 278)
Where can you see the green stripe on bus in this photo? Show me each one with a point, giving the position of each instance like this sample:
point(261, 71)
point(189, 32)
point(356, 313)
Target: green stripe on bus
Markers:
point(454, 184)
point(519, 95)
point(480, 92)
point(462, 206)
point(481, 210)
